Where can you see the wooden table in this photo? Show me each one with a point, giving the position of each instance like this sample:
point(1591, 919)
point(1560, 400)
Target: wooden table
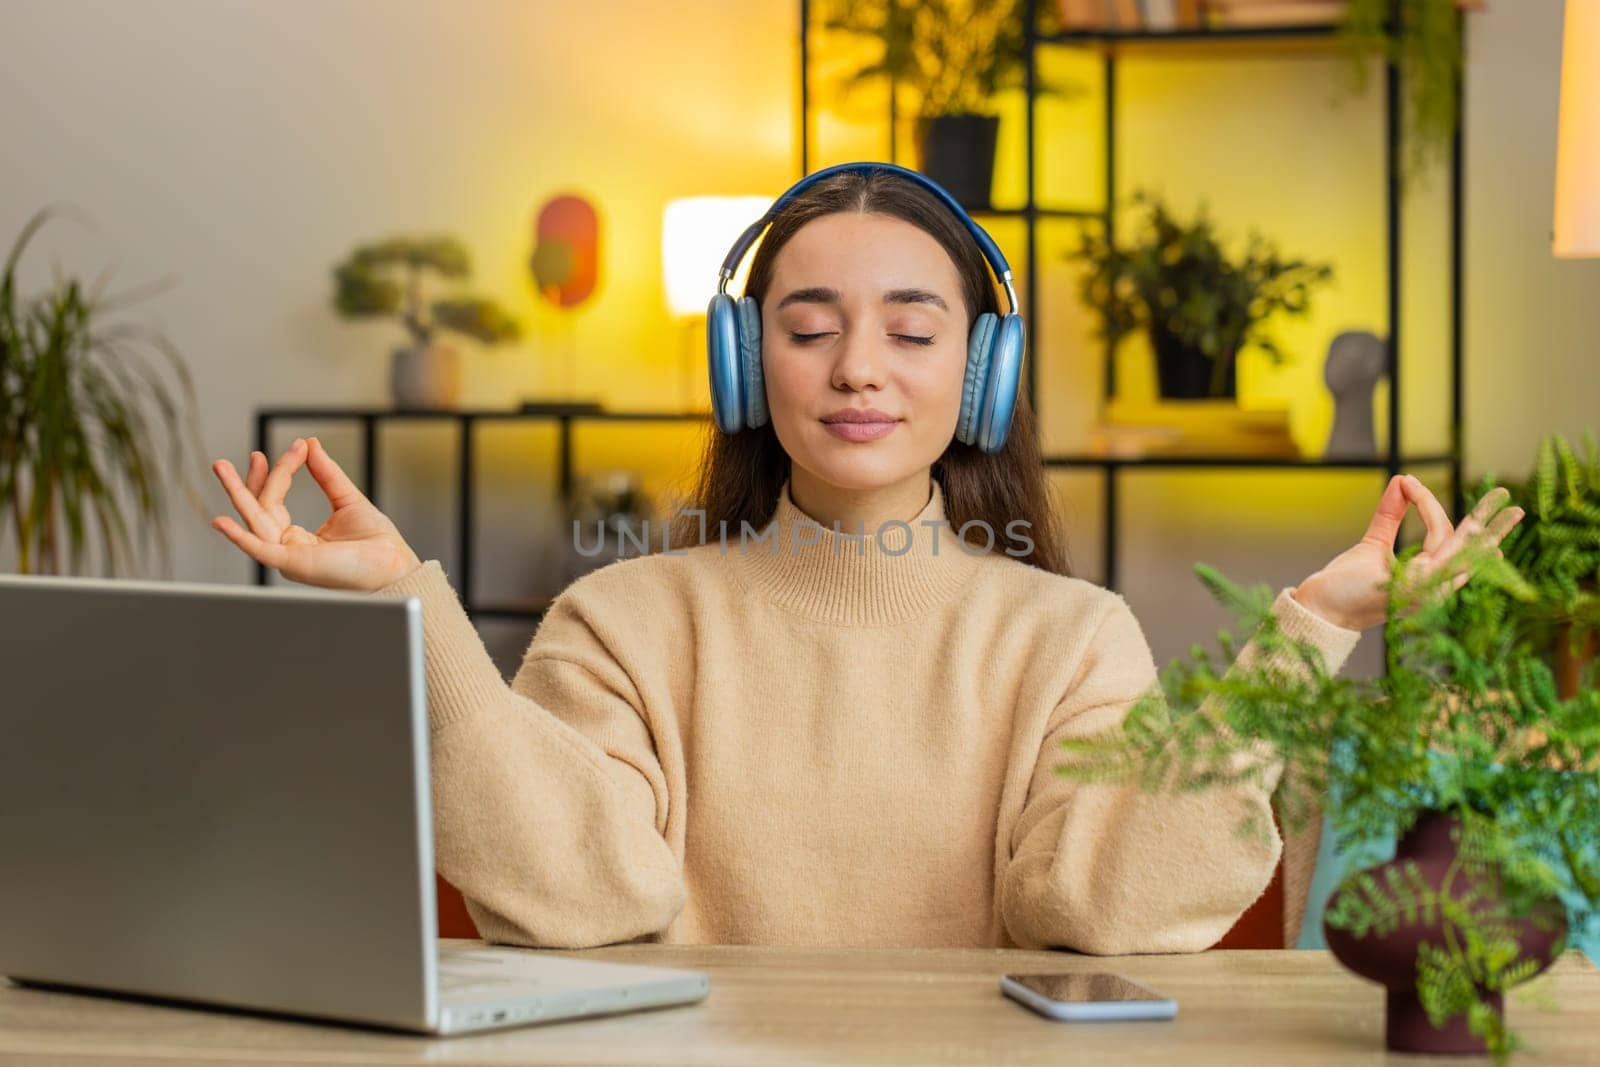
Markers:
point(790, 1006)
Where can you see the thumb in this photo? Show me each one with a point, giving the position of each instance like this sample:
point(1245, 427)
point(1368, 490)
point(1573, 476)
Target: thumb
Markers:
point(1385, 524)
point(298, 535)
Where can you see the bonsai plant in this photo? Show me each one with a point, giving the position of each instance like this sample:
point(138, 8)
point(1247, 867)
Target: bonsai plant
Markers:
point(1199, 306)
point(387, 279)
point(945, 60)
point(97, 421)
point(1463, 749)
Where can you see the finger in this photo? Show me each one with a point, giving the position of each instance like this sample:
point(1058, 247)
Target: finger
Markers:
point(246, 505)
point(256, 476)
point(282, 475)
point(1392, 507)
point(1490, 504)
point(1502, 523)
point(261, 551)
point(1450, 553)
point(1433, 514)
point(341, 491)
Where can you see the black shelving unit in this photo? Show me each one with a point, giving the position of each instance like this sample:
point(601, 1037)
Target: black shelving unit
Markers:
point(1110, 44)
point(369, 419)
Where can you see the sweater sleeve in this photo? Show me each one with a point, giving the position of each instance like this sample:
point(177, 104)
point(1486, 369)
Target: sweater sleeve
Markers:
point(548, 800)
point(1113, 868)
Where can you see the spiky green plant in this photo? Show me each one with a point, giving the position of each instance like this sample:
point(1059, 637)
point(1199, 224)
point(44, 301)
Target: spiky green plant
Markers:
point(1556, 546)
point(97, 421)
point(1465, 721)
point(943, 57)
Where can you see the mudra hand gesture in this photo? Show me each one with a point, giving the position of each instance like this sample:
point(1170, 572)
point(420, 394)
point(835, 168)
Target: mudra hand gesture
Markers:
point(1348, 590)
point(358, 547)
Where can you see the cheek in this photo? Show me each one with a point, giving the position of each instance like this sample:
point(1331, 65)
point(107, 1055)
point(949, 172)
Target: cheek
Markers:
point(787, 373)
point(935, 382)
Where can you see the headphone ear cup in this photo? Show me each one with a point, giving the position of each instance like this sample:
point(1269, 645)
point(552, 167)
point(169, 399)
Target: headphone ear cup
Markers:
point(724, 362)
point(755, 383)
point(973, 387)
point(1000, 389)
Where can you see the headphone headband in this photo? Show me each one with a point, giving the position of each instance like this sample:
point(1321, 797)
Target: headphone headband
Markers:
point(991, 251)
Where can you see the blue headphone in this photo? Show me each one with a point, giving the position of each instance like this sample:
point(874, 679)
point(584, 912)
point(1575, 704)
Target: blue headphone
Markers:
point(994, 346)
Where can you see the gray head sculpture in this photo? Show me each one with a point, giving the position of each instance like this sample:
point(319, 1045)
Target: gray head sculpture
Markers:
point(1356, 360)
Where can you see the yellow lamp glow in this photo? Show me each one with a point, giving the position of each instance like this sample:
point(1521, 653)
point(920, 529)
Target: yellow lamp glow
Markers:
point(696, 234)
point(1577, 230)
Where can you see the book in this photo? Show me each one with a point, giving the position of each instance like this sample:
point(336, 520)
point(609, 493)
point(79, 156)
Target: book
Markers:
point(1161, 14)
point(1079, 14)
point(1244, 13)
point(1128, 15)
point(1130, 429)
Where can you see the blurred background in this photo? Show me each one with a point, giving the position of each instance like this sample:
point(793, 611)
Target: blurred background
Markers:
point(466, 207)
point(477, 239)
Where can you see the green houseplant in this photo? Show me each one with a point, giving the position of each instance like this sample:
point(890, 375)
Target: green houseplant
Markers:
point(945, 59)
point(1464, 740)
point(1557, 547)
point(1199, 305)
point(97, 423)
point(1423, 39)
point(388, 279)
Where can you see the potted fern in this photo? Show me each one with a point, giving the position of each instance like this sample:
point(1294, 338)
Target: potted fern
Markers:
point(1463, 751)
point(1557, 547)
point(98, 421)
point(387, 279)
point(1199, 305)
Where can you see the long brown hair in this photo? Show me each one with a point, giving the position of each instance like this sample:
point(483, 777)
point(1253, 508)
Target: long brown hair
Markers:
point(741, 475)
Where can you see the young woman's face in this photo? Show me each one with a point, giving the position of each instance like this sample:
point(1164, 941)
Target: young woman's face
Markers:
point(864, 313)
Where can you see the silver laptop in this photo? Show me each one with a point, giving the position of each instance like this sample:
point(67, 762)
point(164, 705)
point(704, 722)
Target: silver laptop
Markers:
point(219, 794)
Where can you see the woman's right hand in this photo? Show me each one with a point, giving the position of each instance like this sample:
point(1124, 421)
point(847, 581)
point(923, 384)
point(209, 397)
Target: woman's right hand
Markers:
point(358, 547)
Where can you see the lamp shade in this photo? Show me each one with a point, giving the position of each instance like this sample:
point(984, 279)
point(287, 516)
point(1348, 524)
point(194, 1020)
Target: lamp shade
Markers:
point(696, 234)
point(1577, 229)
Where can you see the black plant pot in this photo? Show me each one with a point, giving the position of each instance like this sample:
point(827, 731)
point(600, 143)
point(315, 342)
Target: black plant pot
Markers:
point(1184, 372)
point(957, 151)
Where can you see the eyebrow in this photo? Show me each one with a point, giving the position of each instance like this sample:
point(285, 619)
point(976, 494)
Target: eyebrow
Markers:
point(824, 295)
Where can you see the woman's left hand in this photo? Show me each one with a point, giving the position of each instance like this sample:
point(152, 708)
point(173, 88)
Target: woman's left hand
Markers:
point(1349, 591)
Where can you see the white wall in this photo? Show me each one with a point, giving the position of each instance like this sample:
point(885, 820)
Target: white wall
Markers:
point(244, 147)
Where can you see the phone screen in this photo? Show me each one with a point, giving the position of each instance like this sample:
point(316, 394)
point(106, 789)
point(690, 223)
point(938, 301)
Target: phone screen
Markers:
point(1083, 988)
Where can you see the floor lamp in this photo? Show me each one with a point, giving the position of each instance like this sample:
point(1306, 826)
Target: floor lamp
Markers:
point(1577, 216)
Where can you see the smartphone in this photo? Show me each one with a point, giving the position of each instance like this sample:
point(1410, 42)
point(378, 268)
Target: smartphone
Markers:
point(1087, 997)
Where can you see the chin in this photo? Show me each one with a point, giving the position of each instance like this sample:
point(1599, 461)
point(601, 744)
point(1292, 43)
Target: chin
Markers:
point(861, 467)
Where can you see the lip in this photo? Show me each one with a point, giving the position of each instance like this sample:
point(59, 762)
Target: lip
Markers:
point(859, 424)
point(860, 431)
point(859, 415)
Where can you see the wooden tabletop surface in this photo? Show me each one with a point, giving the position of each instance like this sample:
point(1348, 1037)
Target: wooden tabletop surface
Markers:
point(839, 1006)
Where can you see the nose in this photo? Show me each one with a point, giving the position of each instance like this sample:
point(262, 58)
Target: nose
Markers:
point(860, 363)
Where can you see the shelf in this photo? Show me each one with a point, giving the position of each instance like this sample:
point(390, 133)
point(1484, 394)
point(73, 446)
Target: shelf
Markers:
point(1380, 463)
point(1233, 35)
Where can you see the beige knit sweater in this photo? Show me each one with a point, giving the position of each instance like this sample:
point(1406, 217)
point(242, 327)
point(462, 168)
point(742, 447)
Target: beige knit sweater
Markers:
point(832, 744)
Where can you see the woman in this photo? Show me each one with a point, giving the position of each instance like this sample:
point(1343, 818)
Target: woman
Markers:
point(789, 734)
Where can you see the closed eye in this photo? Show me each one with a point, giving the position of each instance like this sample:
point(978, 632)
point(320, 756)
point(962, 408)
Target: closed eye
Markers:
point(803, 338)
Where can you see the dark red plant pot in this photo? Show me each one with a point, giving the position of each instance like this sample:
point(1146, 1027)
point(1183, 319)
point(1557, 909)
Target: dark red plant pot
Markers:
point(1391, 960)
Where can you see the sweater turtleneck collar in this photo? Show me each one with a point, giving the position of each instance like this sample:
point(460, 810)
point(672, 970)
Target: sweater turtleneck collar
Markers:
point(875, 579)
